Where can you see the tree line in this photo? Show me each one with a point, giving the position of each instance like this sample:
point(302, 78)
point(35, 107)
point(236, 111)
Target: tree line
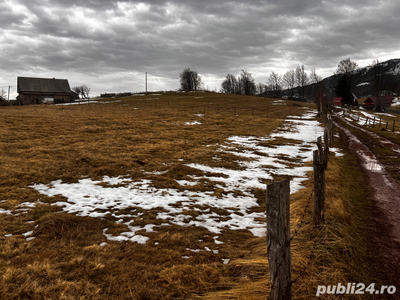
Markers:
point(275, 84)
point(300, 85)
point(245, 83)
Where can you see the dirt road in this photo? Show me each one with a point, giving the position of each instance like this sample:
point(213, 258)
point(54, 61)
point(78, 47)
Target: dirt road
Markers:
point(386, 196)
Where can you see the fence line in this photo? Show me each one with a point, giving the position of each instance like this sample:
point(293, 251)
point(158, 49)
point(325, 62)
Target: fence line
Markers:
point(369, 121)
point(278, 218)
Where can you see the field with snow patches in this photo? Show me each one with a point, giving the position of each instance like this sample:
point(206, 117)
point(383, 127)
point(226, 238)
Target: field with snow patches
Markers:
point(98, 198)
point(160, 200)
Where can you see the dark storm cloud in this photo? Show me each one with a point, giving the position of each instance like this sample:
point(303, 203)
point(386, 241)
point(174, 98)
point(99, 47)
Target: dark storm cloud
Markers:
point(95, 41)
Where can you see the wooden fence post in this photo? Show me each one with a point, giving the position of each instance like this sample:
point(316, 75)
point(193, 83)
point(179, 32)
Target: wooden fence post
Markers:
point(326, 146)
point(319, 145)
point(394, 122)
point(278, 239)
point(319, 188)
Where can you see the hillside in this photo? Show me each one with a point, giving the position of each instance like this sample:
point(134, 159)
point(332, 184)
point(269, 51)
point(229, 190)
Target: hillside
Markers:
point(362, 81)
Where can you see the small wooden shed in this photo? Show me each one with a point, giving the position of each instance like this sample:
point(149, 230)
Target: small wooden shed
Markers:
point(337, 101)
point(369, 103)
point(43, 90)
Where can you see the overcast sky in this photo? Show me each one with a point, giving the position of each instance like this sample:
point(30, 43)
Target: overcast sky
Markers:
point(109, 45)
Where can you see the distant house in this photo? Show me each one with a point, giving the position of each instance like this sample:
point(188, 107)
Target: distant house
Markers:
point(368, 103)
point(337, 101)
point(43, 90)
point(371, 101)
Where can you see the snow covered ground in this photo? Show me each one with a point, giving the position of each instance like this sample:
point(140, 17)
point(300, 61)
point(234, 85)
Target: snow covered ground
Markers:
point(112, 194)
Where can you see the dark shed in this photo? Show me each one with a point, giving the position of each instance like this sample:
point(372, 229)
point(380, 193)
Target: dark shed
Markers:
point(43, 90)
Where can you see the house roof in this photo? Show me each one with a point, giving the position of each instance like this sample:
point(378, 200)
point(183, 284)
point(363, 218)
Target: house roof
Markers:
point(337, 99)
point(387, 100)
point(42, 85)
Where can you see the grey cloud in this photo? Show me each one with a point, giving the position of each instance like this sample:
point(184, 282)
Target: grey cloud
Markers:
point(92, 39)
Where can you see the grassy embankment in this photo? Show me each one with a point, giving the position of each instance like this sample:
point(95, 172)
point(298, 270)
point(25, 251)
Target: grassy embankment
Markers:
point(40, 144)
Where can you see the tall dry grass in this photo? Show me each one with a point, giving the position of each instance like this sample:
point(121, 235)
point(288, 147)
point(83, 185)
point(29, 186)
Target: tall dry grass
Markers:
point(40, 144)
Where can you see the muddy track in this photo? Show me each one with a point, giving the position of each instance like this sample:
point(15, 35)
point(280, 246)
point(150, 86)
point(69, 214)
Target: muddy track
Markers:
point(386, 200)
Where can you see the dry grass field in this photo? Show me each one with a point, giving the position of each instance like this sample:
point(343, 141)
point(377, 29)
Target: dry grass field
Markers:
point(67, 230)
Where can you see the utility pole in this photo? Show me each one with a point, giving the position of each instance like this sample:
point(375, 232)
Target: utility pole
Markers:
point(9, 93)
point(146, 82)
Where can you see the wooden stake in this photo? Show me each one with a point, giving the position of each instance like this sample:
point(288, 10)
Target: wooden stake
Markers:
point(319, 189)
point(278, 239)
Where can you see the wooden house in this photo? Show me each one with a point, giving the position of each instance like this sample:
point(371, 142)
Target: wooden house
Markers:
point(368, 103)
point(371, 101)
point(337, 101)
point(43, 90)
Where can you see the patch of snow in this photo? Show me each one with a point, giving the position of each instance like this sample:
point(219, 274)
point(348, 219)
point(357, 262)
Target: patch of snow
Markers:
point(216, 241)
point(337, 151)
point(30, 239)
point(5, 211)
point(28, 233)
point(88, 197)
point(225, 261)
point(193, 123)
point(194, 250)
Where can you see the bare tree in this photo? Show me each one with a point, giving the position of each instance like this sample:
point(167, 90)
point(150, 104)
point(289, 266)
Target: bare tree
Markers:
point(190, 80)
point(85, 91)
point(289, 80)
point(346, 66)
point(78, 90)
point(82, 90)
point(260, 88)
point(275, 84)
point(346, 71)
point(230, 85)
point(314, 78)
point(318, 91)
point(379, 83)
point(301, 80)
point(247, 83)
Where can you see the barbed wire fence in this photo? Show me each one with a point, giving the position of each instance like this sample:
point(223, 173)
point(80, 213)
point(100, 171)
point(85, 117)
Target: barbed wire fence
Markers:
point(278, 218)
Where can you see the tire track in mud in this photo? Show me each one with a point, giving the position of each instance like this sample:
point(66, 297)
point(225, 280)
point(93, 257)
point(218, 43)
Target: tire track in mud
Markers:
point(386, 214)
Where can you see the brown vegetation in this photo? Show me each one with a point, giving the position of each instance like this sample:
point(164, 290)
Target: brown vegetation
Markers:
point(40, 144)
